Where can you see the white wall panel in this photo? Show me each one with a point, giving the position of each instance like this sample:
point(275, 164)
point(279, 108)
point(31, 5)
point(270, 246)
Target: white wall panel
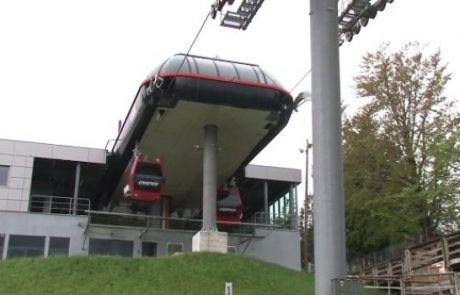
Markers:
point(28, 172)
point(19, 161)
point(97, 156)
point(15, 194)
point(17, 183)
point(2, 204)
point(13, 205)
point(30, 162)
point(33, 149)
point(26, 195)
point(6, 160)
point(6, 146)
point(3, 193)
point(24, 206)
point(17, 172)
point(27, 184)
point(70, 153)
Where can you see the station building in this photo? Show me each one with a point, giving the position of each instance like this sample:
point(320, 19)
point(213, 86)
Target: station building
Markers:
point(47, 192)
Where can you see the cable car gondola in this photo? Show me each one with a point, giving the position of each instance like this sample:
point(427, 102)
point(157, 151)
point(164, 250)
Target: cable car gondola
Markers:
point(145, 180)
point(229, 204)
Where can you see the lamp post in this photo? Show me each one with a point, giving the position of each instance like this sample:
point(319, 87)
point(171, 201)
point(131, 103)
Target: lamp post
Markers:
point(307, 204)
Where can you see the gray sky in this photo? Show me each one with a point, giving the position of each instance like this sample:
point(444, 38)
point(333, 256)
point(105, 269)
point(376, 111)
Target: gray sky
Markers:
point(69, 70)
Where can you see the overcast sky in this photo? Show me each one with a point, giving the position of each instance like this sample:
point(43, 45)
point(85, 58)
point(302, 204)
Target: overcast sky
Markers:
point(69, 70)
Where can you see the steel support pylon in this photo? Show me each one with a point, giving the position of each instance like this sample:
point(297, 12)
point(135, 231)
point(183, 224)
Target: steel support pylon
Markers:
point(329, 211)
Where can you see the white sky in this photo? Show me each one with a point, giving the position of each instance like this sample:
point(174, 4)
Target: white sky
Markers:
point(69, 70)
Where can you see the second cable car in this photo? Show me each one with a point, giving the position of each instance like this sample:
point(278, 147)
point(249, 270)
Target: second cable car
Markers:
point(229, 204)
point(145, 180)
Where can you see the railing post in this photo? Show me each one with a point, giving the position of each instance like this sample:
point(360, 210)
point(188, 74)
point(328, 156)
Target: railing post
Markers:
point(403, 287)
point(455, 282)
point(445, 252)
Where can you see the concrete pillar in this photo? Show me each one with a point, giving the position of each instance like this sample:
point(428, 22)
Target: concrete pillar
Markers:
point(329, 212)
point(209, 178)
point(266, 211)
point(76, 191)
point(209, 238)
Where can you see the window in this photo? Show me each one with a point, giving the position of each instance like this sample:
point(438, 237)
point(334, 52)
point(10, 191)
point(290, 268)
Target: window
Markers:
point(26, 246)
point(59, 246)
point(175, 248)
point(149, 249)
point(110, 247)
point(4, 174)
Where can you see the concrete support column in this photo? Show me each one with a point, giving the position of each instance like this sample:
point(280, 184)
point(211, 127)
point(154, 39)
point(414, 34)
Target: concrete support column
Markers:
point(209, 178)
point(266, 210)
point(76, 191)
point(329, 212)
point(209, 238)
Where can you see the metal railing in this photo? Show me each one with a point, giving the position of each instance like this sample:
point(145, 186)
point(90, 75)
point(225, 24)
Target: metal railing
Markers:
point(285, 221)
point(59, 205)
point(101, 218)
point(417, 284)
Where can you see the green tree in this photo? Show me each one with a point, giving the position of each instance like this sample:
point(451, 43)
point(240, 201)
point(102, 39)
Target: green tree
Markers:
point(401, 151)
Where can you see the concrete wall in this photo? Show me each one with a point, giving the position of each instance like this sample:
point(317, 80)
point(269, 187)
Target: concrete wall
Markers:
point(279, 246)
point(21, 223)
point(19, 156)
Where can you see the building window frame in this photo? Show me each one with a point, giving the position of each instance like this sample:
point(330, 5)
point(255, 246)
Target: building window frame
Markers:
point(55, 250)
point(26, 246)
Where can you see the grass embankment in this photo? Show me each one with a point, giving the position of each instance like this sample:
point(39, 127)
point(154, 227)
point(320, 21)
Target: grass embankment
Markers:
point(189, 273)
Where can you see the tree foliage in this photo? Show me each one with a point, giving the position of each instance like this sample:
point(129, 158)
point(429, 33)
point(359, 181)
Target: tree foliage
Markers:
point(401, 150)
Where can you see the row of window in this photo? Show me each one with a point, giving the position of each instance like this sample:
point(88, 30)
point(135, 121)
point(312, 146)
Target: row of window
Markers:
point(30, 246)
point(33, 246)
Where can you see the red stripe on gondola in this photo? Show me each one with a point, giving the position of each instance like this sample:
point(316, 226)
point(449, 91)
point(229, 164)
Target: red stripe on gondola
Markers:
point(215, 78)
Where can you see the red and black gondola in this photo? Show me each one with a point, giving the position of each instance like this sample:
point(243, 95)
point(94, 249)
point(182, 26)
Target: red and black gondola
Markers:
point(229, 204)
point(146, 180)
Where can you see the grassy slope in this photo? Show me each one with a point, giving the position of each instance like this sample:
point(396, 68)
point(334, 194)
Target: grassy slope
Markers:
point(189, 273)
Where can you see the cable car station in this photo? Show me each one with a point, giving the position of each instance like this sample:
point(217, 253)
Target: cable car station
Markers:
point(177, 178)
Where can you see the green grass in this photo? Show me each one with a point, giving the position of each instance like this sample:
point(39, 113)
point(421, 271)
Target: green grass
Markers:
point(189, 273)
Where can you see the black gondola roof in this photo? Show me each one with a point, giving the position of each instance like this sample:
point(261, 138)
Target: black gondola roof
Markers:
point(216, 69)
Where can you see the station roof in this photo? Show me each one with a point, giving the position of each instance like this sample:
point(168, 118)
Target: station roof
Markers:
point(279, 181)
